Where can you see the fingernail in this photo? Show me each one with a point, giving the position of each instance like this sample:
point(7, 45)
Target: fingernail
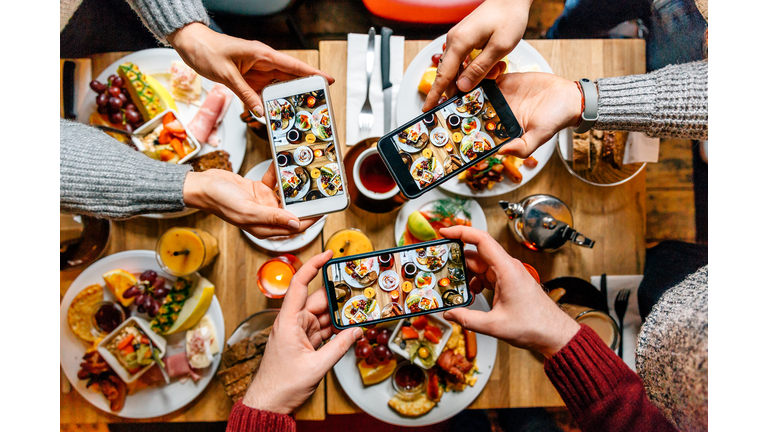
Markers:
point(294, 224)
point(259, 111)
point(464, 84)
point(358, 333)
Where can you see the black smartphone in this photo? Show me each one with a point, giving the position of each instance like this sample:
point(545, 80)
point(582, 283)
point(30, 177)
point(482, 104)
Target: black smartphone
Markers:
point(450, 138)
point(396, 283)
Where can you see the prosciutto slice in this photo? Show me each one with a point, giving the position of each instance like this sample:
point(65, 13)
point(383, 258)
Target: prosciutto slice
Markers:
point(207, 119)
point(177, 366)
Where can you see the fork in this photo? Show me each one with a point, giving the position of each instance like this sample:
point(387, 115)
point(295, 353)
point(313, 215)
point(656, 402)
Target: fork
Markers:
point(365, 120)
point(620, 306)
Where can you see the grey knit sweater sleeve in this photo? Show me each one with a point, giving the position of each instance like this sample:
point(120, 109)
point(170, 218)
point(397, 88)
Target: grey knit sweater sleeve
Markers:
point(668, 102)
point(163, 17)
point(101, 177)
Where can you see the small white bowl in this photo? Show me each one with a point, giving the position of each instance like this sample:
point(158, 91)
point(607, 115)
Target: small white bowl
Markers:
point(149, 126)
point(447, 330)
point(115, 364)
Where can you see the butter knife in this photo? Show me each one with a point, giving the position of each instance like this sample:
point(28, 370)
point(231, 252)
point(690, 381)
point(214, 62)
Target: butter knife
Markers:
point(386, 84)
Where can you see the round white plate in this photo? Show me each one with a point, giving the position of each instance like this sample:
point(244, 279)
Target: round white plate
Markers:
point(147, 403)
point(437, 173)
point(410, 101)
point(431, 284)
point(480, 97)
point(433, 139)
point(386, 273)
point(426, 202)
point(373, 399)
point(304, 189)
point(156, 62)
point(297, 152)
point(409, 148)
point(352, 281)
point(443, 259)
point(298, 123)
point(316, 117)
point(282, 244)
point(467, 138)
point(466, 120)
point(335, 168)
point(375, 315)
point(422, 293)
point(282, 131)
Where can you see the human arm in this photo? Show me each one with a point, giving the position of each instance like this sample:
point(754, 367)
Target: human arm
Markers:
point(295, 359)
point(601, 392)
point(102, 177)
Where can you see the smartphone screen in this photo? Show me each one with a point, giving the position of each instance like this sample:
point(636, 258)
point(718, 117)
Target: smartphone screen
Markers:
point(456, 134)
point(392, 284)
point(303, 136)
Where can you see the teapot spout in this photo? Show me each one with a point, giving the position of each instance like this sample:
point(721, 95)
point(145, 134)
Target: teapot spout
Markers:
point(513, 210)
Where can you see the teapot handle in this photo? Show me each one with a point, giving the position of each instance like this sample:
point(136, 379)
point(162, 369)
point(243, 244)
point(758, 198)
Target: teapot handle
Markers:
point(578, 238)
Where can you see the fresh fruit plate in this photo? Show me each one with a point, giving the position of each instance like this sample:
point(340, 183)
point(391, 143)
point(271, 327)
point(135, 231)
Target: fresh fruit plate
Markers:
point(420, 219)
point(411, 97)
point(187, 316)
point(186, 96)
point(448, 387)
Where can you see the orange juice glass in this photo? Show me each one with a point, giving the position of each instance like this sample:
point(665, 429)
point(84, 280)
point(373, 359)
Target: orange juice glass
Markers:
point(275, 275)
point(182, 251)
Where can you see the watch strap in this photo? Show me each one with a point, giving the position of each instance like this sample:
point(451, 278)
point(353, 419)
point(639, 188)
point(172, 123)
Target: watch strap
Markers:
point(589, 114)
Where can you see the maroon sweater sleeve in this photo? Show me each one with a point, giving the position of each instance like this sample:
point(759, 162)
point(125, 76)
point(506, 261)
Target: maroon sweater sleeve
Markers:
point(600, 391)
point(243, 418)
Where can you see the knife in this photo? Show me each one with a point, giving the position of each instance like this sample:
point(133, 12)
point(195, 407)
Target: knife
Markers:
point(68, 89)
point(386, 84)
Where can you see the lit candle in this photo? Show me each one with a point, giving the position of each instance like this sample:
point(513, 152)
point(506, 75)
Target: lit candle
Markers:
point(275, 275)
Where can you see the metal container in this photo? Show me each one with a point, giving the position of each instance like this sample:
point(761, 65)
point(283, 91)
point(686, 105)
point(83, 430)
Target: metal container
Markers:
point(543, 223)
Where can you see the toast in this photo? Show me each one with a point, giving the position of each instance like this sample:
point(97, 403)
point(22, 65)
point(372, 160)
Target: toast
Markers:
point(218, 159)
point(581, 152)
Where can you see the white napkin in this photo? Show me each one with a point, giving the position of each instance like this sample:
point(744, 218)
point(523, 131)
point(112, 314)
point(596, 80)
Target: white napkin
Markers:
point(357, 45)
point(640, 147)
point(632, 321)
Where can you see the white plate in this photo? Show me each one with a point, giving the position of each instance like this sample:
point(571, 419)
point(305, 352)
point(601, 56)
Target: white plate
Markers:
point(304, 189)
point(431, 284)
point(409, 148)
point(466, 114)
point(156, 62)
point(466, 120)
point(283, 244)
point(443, 259)
point(387, 273)
point(280, 103)
point(606, 178)
point(423, 293)
point(376, 314)
point(373, 399)
point(467, 138)
point(352, 281)
point(298, 151)
point(335, 168)
point(433, 138)
point(147, 403)
point(316, 117)
point(298, 124)
point(437, 173)
point(410, 101)
point(426, 203)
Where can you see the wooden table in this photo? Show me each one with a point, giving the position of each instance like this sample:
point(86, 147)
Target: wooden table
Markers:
point(613, 217)
point(233, 272)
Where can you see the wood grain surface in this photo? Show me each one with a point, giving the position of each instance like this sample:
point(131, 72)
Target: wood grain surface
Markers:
point(233, 272)
point(613, 217)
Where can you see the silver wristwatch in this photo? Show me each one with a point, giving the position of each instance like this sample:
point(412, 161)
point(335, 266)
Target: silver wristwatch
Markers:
point(589, 116)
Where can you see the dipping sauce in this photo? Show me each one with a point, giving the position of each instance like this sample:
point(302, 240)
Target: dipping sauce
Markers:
point(108, 317)
point(408, 377)
point(183, 251)
point(375, 176)
point(275, 275)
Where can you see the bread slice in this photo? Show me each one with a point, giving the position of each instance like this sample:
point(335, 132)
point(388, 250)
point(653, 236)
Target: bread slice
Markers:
point(580, 153)
point(621, 145)
point(218, 159)
point(234, 373)
point(613, 150)
point(239, 386)
point(595, 150)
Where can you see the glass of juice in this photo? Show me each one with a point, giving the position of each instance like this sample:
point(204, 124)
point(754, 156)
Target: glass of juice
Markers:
point(182, 251)
point(275, 275)
point(349, 241)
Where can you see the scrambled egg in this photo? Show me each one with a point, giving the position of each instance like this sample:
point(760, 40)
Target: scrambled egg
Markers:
point(457, 343)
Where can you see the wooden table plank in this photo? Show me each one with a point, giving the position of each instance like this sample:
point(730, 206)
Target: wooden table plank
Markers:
point(233, 272)
point(613, 217)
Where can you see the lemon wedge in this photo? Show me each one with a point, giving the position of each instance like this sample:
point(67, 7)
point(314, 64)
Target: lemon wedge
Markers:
point(195, 307)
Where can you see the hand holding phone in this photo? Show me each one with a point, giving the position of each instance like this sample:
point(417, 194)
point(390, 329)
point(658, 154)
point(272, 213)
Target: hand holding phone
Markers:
point(307, 155)
point(396, 283)
point(448, 139)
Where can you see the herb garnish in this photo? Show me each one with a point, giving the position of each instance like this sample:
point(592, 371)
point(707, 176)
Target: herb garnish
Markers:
point(449, 208)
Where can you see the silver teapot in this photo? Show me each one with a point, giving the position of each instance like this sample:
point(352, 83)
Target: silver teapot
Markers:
point(543, 223)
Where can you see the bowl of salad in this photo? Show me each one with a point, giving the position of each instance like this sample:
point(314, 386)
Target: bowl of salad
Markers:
point(132, 349)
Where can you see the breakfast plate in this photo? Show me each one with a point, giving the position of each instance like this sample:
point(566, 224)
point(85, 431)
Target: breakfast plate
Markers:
point(354, 282)
point(470, 104)
point(281, 113)
point(303, 121)
point(156, 62)
point(389, 280)
point(411, 139)
point(430, 259)
point(303, 155)
point(478, 142)
point(373, 398)
point(289, 174)
point(425, 279)
point(431, 171)
point(418, 299)
point(150, 402)
point(283, 243)
point(333, 177)
point(320, 121)
point(439, 137)
point(349, 307)
point(409, 102)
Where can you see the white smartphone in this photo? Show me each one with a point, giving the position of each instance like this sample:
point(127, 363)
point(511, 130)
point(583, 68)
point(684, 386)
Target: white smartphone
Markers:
point(305, 148)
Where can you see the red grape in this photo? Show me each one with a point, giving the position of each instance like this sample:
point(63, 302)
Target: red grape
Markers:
point(436, 59)
point(371, 334)
point(118, 81)
point(380, 352)
point(132, 117)
point(131, 107)
point(115, 103)
point(148, 302)
point(123, 98)
point(154, 310)
point(362, 341)
point(111, 78)
point(389, 355)
point(132, 292)
point(116, 118)
point(140, 299)
point(98, 87)
point(382, 338)
point(372, 361)
point(104, 109)
point(160, 293)
point(102, 99)
point(114, 91)
point(148, 275)
point(365, 351)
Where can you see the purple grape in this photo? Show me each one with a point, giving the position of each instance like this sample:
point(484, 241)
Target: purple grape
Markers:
point(128, 128)
point(148, 302)
point(131, 107)
point(132, 117)
point(118, 81)
point(98, 87)
point(159, 282)
point(140, 299)
point(111, 78)
point(140, 309)
point(102, 109)
point(148, 275)
point(116, 117)
point(132, 292)
point(115, 103)
point(123, 98)
point(160, 293)
point(154, 310)
point(113, 91)
point(102, 99)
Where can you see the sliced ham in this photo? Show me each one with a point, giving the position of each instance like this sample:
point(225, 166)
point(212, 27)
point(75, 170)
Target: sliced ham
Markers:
point(205, 122)
point(177, 366)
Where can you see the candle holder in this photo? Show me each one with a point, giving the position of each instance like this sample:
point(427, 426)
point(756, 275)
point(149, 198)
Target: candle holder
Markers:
point(275, 275)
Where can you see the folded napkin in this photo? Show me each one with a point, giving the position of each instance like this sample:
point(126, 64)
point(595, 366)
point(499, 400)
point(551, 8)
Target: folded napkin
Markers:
point(632, 321)
point(357, 45)
point(640, 147)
